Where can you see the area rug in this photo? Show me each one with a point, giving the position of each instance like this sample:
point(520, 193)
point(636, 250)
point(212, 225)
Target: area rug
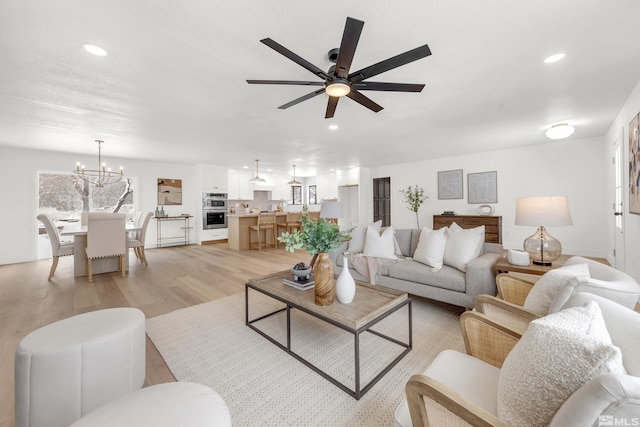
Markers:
point(264, 386)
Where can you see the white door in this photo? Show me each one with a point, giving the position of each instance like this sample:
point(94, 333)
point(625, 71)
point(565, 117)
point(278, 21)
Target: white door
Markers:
point(618, 206)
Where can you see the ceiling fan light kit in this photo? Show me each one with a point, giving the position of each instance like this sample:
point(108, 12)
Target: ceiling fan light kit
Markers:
point(338, 81)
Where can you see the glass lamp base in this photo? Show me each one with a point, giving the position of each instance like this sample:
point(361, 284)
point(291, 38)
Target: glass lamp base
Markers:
point(542, 247)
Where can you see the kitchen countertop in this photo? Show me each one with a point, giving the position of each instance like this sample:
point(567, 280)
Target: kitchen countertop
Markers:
point(251, 215)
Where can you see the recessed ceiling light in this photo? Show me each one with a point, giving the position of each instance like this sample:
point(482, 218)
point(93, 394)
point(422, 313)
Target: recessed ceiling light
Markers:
point(96, 50)
point(333, 127)
point(554, 58)
point(560, 131)
point(245, 167)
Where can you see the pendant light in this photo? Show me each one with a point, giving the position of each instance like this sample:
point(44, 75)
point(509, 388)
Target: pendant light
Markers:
point(293, 181)
point(257, 178)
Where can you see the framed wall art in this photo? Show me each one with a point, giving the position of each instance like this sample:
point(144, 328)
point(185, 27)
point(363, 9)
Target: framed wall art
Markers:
point(634, 165)
point(169, 191)
point(483, 187)
point(450, 185)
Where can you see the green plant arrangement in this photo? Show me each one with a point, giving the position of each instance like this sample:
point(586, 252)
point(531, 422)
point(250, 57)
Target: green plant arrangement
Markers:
point(414, 197)
point(315, 237)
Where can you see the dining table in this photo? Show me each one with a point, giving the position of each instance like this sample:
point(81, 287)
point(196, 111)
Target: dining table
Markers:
point(100, 265)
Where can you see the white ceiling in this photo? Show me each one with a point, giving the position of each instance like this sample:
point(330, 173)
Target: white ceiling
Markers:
point(173, 85)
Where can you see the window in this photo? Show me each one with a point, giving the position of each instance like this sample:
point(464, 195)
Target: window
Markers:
point(64, 196)
point(313, 200)
point(296, 195)
point(382, 200)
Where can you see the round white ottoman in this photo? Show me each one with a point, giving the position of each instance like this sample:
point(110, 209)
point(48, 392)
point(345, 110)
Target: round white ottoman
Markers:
point(71, 367)
point(178, 404)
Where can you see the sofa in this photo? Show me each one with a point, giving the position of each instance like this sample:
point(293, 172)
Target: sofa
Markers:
point(448, 285)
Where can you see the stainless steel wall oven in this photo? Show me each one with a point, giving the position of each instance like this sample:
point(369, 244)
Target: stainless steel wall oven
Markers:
point(214, 210)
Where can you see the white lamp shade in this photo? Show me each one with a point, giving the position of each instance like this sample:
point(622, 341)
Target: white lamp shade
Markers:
point(331, 210)
point(552, 211)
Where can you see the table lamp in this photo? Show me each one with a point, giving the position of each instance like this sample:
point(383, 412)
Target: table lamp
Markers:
point(331, 211)
point(550, 211)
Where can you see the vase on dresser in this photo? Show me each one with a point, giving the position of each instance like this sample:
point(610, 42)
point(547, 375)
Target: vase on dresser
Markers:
point(345, 285)
point(324, 282)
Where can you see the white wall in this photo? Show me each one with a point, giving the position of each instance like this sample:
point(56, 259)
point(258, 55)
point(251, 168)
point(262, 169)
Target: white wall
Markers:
point(19, 174)
point(571, 167)
point(620, 129)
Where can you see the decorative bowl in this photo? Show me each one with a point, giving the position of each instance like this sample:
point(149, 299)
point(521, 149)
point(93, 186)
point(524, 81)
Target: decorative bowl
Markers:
point(301, 271)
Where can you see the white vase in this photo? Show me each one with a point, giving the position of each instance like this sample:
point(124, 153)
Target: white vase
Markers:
point(345, 285)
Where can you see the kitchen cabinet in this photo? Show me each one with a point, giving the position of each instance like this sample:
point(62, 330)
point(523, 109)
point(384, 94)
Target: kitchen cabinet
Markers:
point(239, 187)
point(327, 187)
point(281, 191)
point(348, 177)
point(213, 179)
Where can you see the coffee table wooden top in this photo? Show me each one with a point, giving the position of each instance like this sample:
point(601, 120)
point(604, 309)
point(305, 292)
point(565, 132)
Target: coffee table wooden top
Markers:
point(369, 303)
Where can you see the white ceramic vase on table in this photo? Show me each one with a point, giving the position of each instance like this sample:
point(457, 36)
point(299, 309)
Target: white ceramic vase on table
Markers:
point(345, 285)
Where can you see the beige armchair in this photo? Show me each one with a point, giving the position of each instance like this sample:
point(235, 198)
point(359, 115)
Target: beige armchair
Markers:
point(462, 389)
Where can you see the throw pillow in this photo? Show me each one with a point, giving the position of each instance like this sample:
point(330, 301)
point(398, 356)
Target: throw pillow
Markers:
point(358, 235)
point(550, 284)
point(431, 246)
point(556, 355)
point(463, 246)
point(379, 245)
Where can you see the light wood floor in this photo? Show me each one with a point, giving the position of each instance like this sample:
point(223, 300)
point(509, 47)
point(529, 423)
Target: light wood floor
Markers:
point(176, 277)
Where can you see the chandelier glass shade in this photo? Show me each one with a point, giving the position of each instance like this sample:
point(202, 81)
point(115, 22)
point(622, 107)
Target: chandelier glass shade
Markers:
point(257, 178)
point(294, 181)
point(101, 176)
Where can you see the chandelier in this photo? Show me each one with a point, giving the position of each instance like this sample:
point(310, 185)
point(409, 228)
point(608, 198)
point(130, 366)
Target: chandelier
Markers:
point(101, 176)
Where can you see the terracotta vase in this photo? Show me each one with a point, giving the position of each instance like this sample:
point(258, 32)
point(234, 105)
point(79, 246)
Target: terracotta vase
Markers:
point(324, 282)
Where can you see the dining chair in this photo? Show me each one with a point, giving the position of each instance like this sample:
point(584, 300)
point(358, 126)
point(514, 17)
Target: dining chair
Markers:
point(266, 221)
point(106, 237)
point(314, 216)
point(137, 240)
point(58, 248)
point(292, 222)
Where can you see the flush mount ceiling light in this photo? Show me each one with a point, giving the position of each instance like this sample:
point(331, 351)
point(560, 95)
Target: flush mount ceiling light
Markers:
point(96, 50)
point(554, 58)
point(257, 178)
point(560, 131)
point(293, 181)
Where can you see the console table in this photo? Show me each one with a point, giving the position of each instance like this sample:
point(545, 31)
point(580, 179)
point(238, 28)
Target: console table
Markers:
point(181, 239)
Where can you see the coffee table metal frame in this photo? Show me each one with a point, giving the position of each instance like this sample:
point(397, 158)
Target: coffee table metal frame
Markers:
point(358, 391)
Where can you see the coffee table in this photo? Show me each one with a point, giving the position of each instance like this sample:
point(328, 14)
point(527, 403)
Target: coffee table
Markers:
point(370, 305)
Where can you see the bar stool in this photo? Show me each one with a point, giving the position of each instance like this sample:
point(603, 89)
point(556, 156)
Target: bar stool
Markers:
point(266, 221)
point(292, 222)
point(314, 216)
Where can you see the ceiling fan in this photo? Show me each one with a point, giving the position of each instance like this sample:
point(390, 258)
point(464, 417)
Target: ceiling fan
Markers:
point(338, 81)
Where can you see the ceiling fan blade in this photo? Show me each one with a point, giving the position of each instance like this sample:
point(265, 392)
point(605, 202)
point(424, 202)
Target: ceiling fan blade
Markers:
point(391, 87)
point(285, 82)
point(389, 64)
point(331, 106)
point(350, 37)
point(363, 100)
point(302, 98)
point(295, 58)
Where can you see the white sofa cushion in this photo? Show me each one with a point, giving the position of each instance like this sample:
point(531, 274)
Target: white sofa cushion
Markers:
point(463, 246)
point(380, 245)
point(431, 246)
point(358, 236)
point(544, 291)
point(556, 355)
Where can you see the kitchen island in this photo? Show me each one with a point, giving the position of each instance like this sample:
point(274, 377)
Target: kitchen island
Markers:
point(239, 234)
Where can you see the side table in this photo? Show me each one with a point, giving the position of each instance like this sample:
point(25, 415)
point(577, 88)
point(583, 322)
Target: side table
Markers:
point(503, 266)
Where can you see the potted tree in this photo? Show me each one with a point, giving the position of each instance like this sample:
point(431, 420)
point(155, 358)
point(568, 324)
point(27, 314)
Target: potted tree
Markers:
point(318, 238)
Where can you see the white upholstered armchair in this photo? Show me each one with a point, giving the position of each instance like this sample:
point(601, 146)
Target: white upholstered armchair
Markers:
point(58, 248)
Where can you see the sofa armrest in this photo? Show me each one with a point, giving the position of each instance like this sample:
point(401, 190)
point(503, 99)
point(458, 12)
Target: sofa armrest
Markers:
point(480, 276)
point(486, 339)
point(511, 315)
point(431, 403)
point(333, 255)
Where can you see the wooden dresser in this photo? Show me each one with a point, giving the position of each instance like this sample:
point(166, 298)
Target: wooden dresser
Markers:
point(492, 224)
